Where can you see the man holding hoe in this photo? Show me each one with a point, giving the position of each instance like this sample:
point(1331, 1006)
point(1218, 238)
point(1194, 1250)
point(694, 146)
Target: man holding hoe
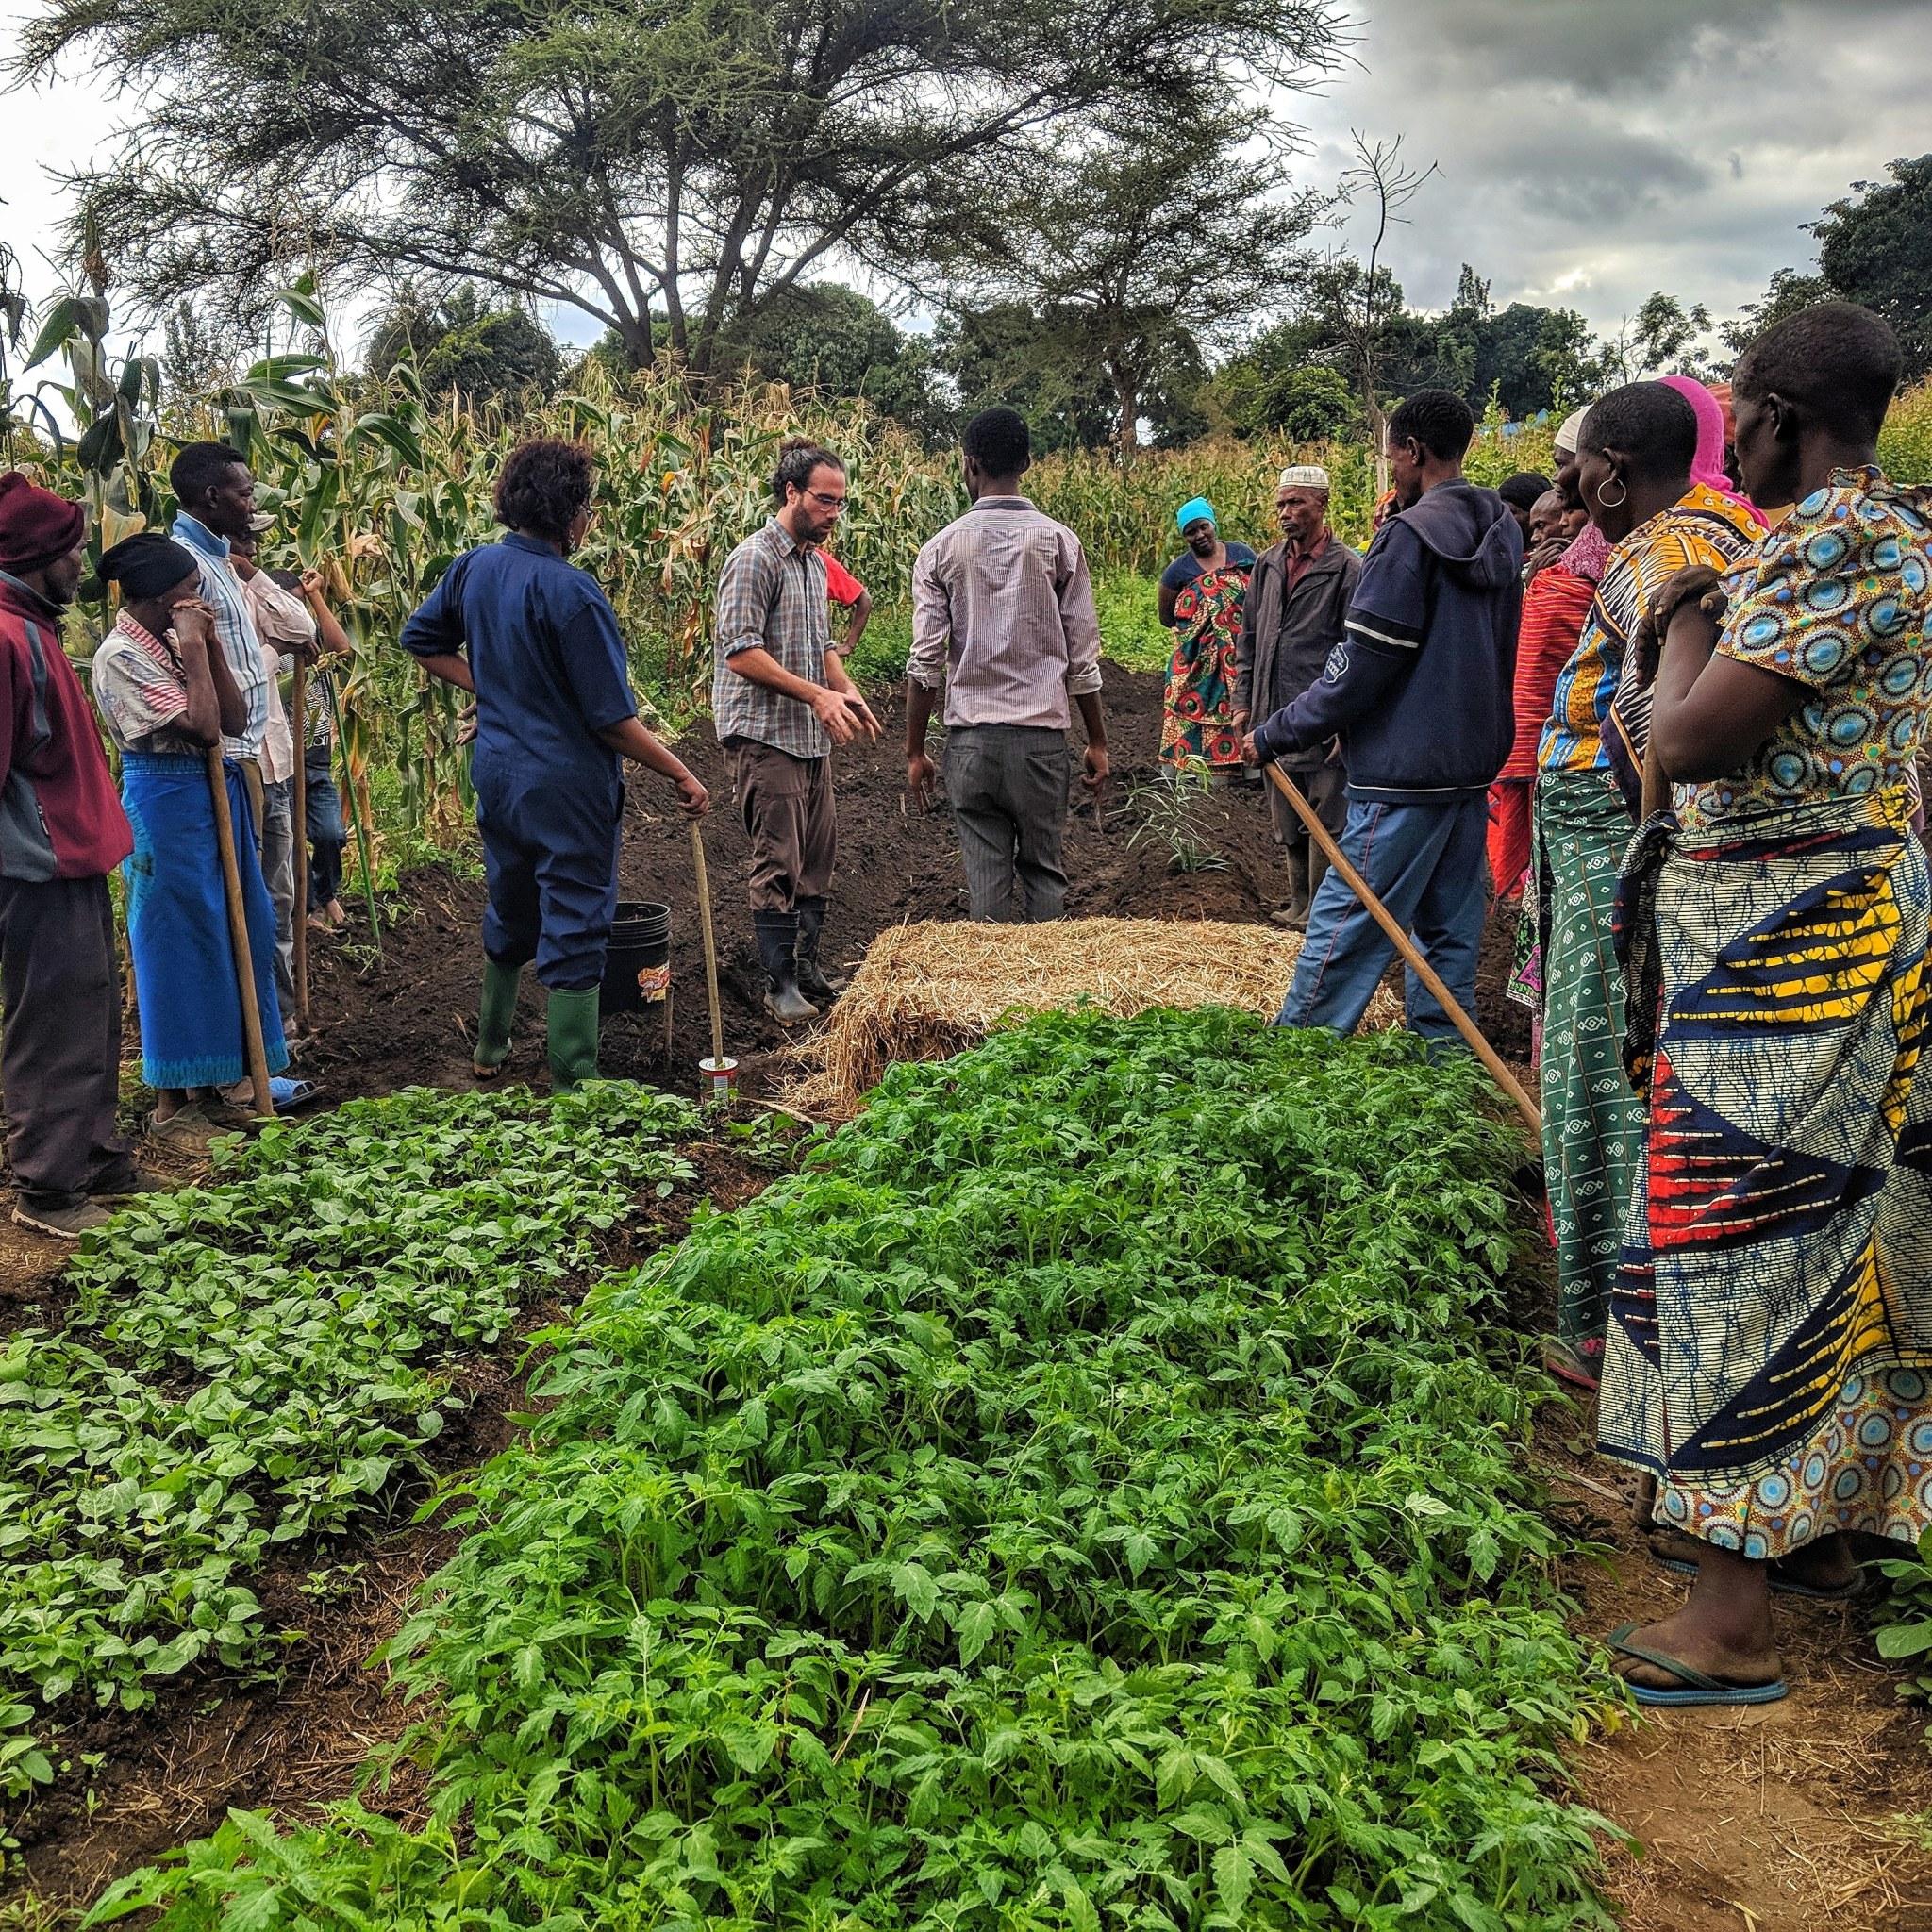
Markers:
point(1420, 691)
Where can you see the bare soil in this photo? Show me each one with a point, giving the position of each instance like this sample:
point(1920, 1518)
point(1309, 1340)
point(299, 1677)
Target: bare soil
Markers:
point(411, 1016)
point(1784, 1818)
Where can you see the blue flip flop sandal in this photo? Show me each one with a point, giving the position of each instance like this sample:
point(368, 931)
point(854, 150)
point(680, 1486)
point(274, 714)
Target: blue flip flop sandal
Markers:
point(285, 1096)
point(1699, 1688)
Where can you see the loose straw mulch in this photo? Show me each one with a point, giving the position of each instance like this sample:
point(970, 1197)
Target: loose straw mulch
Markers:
point(934, 989)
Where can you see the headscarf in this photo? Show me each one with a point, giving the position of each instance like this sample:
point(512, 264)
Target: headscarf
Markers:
point(1708, 465)
point(36, 527)
point(1192, 511)
point(146, 564)
point(1566, 437)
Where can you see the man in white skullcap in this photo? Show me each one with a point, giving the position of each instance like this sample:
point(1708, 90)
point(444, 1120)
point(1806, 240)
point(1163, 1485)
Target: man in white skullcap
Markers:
point(1295, 613)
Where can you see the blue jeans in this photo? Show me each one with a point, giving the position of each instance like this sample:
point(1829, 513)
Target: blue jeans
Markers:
point(1425, 862)
point(325, 836)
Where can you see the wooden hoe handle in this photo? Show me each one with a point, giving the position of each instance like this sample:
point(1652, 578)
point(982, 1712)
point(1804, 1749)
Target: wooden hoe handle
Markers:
point(256, 1052)
point(1411, 955)
point(697, 854)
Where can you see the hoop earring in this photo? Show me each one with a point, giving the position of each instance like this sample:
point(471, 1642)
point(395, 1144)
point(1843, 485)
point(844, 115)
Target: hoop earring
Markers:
point(1623, 494)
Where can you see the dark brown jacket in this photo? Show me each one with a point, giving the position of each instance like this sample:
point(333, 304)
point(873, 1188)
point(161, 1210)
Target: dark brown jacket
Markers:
point(1284, 649)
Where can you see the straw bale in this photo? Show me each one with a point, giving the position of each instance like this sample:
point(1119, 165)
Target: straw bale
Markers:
point(932, 989)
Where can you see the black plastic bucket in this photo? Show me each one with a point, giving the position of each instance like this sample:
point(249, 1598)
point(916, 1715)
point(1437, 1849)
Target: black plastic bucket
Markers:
point(637, 966)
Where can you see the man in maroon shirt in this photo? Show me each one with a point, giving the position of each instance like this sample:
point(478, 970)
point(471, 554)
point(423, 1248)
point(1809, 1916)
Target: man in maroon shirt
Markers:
point(62, 832)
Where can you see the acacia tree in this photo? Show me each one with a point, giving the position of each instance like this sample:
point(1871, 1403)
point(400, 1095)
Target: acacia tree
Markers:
point(1156, 242)
point(620, 156)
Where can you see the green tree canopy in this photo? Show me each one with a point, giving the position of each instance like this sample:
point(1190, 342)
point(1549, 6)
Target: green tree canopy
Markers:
point(697, 157)
point(834, 340)
point(461, 344)
point(1150, 245)
point(1876, 247)
point(997, 354)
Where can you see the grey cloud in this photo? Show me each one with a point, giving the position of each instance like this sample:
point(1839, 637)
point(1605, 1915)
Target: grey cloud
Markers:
point(1594, 150)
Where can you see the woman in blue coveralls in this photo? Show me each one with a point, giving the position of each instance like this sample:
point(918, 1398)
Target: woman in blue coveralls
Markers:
point(537, 641)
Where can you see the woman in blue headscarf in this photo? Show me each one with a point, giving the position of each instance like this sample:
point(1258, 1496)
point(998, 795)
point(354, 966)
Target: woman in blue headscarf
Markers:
point(1201, 594)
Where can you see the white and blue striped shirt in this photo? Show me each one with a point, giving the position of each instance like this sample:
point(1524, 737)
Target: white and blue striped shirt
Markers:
point(234, 626)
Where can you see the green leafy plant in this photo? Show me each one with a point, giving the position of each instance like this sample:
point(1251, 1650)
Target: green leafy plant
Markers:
point(1906, 1635)
point(267, 1359)
point(1084, 1494)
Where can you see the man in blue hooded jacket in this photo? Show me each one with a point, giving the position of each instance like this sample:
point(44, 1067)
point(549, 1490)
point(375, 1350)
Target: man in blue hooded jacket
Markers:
point(1419, 691)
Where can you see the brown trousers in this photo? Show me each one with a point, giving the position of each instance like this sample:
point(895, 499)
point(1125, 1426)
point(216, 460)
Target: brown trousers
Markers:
point(789, 817)
point(1325, 788)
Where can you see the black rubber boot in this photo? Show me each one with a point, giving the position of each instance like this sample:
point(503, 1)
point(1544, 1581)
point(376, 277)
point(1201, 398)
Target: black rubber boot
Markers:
point(812, 982)
point(777, 935)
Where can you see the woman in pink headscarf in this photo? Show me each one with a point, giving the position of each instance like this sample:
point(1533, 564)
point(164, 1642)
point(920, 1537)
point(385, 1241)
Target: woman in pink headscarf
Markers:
point(1707, 466)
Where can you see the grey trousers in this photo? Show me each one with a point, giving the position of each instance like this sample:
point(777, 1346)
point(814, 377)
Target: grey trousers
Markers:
point(61, 1058)
point(279, 874)
point(1009, 786)
point(1325, 788)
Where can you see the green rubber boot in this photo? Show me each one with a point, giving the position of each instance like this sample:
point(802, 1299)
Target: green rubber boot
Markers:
point(572, 1037)
point(495, 1019)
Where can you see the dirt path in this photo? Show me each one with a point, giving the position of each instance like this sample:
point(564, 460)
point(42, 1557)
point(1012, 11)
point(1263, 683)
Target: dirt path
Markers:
point(1788, 1817)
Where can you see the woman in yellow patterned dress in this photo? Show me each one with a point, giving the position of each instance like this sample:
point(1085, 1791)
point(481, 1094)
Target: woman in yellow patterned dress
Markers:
point(1769, 1352)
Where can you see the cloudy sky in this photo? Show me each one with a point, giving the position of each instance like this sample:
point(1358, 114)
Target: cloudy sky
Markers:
point(1594, 150)
point(1591, 150)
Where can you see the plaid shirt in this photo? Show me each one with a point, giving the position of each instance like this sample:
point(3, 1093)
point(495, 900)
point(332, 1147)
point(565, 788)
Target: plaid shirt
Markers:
point(771, 597)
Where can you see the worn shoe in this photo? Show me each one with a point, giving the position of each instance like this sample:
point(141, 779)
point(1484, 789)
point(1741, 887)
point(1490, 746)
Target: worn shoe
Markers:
point(133, 1184)
point(777, 937)
point(63, 1224)
point(188, 1129)
point(1293, 917)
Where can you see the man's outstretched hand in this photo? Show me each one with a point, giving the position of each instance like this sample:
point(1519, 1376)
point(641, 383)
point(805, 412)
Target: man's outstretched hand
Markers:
point(920, 772)
point(846, 715)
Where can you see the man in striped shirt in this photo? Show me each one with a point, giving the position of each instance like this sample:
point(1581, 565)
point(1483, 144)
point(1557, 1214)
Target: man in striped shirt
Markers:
point(1003, 620)
point(216, 494)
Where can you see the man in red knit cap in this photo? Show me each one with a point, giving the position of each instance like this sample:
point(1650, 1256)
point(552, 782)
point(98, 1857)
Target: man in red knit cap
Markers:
point(62, 832)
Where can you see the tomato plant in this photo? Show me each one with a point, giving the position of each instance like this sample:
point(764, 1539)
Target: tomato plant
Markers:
point(1086, 1493)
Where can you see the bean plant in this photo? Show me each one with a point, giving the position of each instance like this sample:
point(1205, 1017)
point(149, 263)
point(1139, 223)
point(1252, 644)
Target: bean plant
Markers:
point(265, 1360)
point(1087, 1494)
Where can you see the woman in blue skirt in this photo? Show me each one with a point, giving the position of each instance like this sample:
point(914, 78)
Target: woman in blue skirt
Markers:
point(166, 696)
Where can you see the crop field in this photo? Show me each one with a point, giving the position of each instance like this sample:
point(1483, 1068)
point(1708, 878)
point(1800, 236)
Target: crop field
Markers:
point(1086, 1493)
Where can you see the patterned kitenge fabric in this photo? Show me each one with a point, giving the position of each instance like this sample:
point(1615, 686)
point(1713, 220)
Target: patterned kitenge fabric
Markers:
point(1196, 728)
point(1770, 1353)
point(1592, 1123)
point(1700, 528)
point(1770, 1350)
point(1837, 598)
